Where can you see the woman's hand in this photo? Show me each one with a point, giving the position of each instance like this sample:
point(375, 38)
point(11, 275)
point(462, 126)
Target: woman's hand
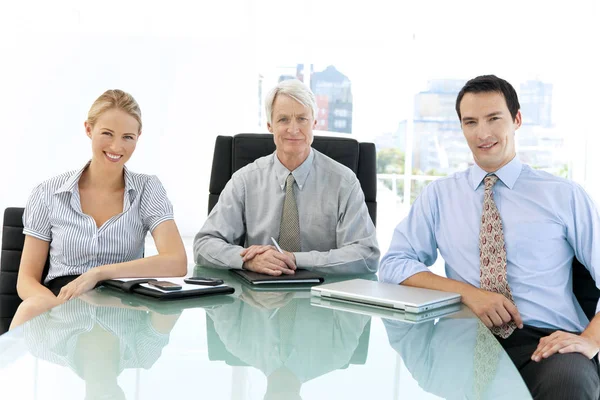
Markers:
point(84, 283)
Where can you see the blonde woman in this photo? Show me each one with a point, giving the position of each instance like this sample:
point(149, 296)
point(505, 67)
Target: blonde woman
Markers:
point(92, 223)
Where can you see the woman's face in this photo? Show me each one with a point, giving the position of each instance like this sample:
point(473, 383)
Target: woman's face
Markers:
point(114, 137)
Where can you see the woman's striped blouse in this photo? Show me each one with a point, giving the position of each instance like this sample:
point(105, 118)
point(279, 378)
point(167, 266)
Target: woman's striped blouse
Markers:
point(53, 213)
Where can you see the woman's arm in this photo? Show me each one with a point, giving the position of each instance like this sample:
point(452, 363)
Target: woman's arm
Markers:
point(33, 259)
point(170, 261)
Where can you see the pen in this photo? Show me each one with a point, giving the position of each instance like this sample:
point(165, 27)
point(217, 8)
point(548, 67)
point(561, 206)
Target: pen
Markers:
point(281, 251)
point(276, 245)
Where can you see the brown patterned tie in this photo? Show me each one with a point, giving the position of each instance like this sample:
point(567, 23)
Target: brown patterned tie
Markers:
point(289, 230)
point(485, 360)
point(492, 253)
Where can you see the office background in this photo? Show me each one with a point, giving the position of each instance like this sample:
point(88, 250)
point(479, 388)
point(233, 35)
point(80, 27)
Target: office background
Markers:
point(383, 72)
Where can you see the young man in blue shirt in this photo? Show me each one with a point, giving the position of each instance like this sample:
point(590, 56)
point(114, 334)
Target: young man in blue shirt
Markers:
point(508, 235)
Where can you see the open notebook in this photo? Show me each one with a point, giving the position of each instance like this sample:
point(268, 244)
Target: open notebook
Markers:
point(140, 286)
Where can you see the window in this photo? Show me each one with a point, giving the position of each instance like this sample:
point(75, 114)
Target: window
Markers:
point(339, 123)
point(338, 112)
point(392, 82)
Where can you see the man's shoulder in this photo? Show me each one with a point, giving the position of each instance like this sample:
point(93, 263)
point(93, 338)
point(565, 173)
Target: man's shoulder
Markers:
point(531, 176)
point(449, 182)
point(258, 166)
point(327, 165)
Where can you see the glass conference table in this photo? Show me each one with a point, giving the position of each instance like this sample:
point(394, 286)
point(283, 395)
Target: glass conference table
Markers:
point(254, 344)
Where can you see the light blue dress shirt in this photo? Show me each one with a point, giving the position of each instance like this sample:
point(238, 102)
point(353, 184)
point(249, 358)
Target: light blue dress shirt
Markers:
point(546, 221)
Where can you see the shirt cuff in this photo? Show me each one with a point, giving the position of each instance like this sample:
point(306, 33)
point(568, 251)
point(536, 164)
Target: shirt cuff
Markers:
point(37, 235)
point(158, 221)
point(236, 262)
point(304, 259)
point(396, 274)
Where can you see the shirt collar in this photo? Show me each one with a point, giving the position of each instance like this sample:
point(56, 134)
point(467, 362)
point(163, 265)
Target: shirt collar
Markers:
point(300, 174)
point(71, 184)
point(507, 174)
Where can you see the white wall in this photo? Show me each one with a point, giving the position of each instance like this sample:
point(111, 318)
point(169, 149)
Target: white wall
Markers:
point(193, 68)
point(189, 90)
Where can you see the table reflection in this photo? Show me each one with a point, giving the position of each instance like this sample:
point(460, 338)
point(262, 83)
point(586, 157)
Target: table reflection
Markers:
point(98, 337)
point(286, 338)
point(456, 358)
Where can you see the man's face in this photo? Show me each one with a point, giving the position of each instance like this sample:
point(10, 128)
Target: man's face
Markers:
point(292, 127)
point(489, 129)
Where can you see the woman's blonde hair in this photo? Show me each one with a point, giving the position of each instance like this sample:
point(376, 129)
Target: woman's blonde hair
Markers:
point(118, 99)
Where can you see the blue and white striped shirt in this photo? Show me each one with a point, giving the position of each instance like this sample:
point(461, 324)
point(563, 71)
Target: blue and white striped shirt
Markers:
point(54, 336)
point(53, 213)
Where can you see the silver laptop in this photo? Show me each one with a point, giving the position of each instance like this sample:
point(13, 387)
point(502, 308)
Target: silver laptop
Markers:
point(386, 295)
point(387, 313)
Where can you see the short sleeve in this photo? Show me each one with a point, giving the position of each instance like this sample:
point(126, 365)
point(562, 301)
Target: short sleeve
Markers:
point(155, 207)
point(36, 218)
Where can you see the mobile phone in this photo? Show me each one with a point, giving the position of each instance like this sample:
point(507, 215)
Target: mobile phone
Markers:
point(165, 285)
point(200, 280)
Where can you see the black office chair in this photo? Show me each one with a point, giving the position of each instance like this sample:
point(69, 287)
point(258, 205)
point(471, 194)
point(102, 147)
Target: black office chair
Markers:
point(10, 259)
point(585, 289)
point(233, 153)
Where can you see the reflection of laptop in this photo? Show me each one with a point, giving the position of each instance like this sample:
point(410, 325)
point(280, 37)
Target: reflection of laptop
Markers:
point(388, 313)
point(386, 295)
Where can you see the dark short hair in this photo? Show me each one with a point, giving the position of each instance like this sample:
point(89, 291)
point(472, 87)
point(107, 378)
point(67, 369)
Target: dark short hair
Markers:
point(491, 83)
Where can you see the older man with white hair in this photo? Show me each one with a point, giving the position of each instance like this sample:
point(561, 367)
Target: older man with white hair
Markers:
point(311, 203)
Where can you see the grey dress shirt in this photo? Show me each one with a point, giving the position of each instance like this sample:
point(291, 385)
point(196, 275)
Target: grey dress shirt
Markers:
point(336, 231)
point(319, 340)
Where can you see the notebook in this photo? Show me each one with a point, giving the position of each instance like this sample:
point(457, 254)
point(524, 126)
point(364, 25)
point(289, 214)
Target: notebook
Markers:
point(381, 312)
point(386, 295)
point(167, 307)
point(141, 287)
point(301, 276)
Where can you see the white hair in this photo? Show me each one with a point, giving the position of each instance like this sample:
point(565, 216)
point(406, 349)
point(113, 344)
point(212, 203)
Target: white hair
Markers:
point(294, 89)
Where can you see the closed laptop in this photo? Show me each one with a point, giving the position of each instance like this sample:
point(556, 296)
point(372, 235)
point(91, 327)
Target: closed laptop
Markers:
point(386, 295)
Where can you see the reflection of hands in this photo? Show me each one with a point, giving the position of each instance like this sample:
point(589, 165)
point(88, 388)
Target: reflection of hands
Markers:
point(46, 301)
point(267, 260)
point(464, 313)
point(565, 342)
point(163, 323)
point(266, 300)
point(84, 283)
point(493, 309)
point(96, 298)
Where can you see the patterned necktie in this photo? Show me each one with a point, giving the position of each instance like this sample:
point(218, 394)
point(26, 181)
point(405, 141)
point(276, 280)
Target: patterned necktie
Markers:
point(485, 360)
point(287, 319)
point(492, 253)
point(289, 230)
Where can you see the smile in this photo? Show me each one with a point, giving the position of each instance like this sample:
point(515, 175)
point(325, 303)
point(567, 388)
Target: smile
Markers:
point(487, 146)
point(112, 157)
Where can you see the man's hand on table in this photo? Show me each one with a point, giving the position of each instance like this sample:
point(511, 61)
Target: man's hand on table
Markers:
point(493, 309)
point(267, 260)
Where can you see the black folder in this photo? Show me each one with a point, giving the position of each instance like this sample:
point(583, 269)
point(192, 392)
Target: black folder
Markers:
point(301, 276)
point(167, 307)
point(135, 287)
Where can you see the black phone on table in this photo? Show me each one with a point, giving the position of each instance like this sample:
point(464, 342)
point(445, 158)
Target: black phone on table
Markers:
point(165, 285)
point(201, 280)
